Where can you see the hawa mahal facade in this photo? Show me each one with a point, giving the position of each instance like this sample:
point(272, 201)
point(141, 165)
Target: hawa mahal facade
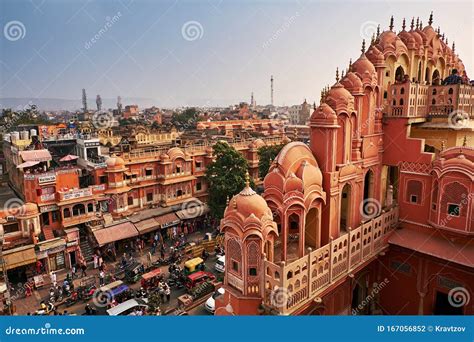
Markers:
point(375, 216)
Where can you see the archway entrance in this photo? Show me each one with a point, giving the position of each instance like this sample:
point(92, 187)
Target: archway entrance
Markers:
point(369, 185)
point(435, 79)
point(345, 208)
point(293, 236)
point(399, 74)
point(311, 230)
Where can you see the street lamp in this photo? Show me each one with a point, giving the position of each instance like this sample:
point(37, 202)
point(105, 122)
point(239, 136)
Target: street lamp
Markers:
point(4, 270)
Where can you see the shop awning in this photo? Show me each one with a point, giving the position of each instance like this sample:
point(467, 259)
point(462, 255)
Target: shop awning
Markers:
point(17, 257)
point(167, 220)
point(147, 226)
point(114, 233)
point(192, 211)
point(28, 164)
point(51, 244)
point(36, 155)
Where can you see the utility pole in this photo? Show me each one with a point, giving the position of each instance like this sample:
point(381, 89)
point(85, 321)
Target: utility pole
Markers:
point(84, 101)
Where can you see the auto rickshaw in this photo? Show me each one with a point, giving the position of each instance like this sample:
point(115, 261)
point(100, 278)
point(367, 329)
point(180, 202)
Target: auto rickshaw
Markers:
point(151, 279)
point(116, 290)
point(193, 265)
point(133, 274)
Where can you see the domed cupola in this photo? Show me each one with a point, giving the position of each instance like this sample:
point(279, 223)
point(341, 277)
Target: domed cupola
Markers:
point(339, 98)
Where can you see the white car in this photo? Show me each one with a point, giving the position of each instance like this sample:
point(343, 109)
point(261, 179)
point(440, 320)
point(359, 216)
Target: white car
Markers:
point(210, 304)
point(128, 307)
point(220, 264)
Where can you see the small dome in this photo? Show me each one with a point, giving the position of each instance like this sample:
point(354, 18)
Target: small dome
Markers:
point(323, 111)
point(310, 175)
point(352, 82)
point(164, 156)
point(339, 98)
point(176, 152)
point(387, 38)
point(408, 39)
point(28, 209)
point(429, 32)
point(375, 56)
point(248, 203)
point(362, 66)
point(293, 183)
point(114, 162)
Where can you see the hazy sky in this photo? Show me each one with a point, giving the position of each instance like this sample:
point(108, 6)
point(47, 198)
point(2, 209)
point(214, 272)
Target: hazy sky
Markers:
point(198, 52)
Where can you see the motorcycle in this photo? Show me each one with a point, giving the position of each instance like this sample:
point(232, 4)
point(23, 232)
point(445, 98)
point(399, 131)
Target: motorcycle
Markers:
point(73, 299)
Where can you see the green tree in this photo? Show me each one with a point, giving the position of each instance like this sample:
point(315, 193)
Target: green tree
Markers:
point(186, 119)
point(225, 176)
point(266, 154)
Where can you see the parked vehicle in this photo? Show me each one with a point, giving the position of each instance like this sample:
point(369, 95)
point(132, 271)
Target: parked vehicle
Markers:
point(210, 304)
point(198, 278)
point(220, 264)
point(193, 265)
point(151, 279)
point(128, 307)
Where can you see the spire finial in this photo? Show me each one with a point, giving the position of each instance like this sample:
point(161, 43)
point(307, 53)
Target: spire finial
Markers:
point(342, 74)
point(314, 104)
point(378, 31)
point(337, 74)
point(418, 23)
point(372, 41)
point(454, 46)
point(443, 145)
point(430, 20)
point(247, 179)
point(403, 24)
point(438, 30)
point(421, 24)
point(391, 24)
point(227, 201)
point(464, 143)
point(350, 64)
point(363, 46)
point(412, 25)
point(447, 43)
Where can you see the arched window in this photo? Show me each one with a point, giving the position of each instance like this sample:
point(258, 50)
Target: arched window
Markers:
point(235, 256)
point(450, 91)
point(78, 209)
point(434, 91)
point(67, 213)
point(90, 208)
point(454, 201)
point(401, 102)
point(402, 91)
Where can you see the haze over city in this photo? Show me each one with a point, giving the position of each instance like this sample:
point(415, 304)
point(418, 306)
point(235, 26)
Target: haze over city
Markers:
point(188, 53)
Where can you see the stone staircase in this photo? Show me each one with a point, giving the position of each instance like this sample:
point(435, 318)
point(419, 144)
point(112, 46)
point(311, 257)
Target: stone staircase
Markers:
point(86, 249)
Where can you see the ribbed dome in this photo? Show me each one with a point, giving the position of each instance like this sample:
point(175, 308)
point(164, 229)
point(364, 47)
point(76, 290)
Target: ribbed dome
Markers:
point(114, 162)
point(248, 202)
point(351, 82)
point(363, 65)
point(324, 111)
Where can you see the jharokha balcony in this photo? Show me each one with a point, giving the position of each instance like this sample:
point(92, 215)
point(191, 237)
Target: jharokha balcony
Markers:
point(306, 278)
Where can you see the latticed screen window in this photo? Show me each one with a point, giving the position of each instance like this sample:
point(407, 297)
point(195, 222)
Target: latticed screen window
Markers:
point(235, 254)
point(455, 200)
point(413, 191)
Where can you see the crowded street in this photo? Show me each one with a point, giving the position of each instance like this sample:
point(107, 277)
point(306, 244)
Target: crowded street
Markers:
point(38, 301)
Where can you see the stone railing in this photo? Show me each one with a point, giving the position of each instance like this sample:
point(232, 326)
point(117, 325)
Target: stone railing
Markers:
point(303, 280)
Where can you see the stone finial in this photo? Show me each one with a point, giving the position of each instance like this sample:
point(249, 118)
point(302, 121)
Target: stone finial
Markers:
point(447, 43)
point(372, 41)
point(454, 46)
point(350, 64)
point(363, 46)
point(412, 25)
point(403, 24)
point(314, 105)
point(418, 23)
point(337, 74)
point(227, 201)
point(421, 24)
point(430, 20)
point(378, 31)
point(391, 24)
point(342, 74)
point(464, 143)
point(247, 179)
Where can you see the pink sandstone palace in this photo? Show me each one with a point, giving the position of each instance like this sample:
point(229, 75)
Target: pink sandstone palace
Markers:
point(370, 218)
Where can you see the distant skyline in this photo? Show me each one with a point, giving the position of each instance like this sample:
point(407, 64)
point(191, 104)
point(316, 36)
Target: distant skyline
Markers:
point(199, 53)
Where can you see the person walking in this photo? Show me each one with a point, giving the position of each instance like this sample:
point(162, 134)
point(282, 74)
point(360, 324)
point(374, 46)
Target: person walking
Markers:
point(73, 271)
point(96, 260)
point(52, 276)
point(101, 277)
point(84, 268)
point(161, 291)
point(167, 292)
